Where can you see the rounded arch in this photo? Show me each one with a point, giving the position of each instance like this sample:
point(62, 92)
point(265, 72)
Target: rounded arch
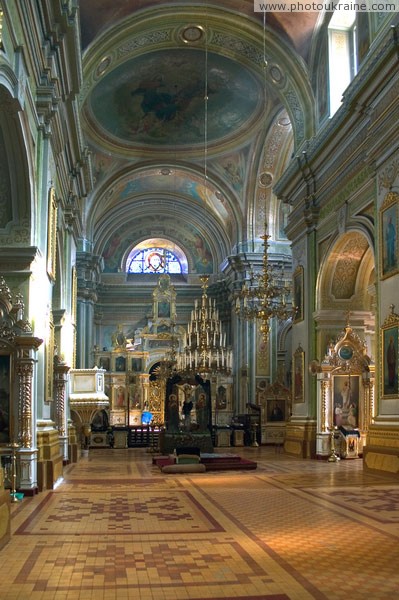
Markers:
point(346, 277)
point(125, 189)
point(202, 238)
point(275, 153)
point(17, 211)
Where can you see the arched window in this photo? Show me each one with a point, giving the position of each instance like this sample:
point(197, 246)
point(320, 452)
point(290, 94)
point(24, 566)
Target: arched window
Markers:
point(342, 54)
point(156, 256)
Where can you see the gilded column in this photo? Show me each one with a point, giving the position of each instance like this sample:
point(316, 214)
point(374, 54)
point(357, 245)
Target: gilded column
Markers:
point(25, 375)
point(366, 412)
point(25, 361)
point(372, 400)
point(325, 385)
point(61, 370)
point(26, 347)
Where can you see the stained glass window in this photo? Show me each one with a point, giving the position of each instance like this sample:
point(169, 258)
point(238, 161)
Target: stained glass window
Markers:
point(153, 260)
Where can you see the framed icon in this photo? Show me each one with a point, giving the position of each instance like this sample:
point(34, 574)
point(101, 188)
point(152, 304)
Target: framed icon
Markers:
point(298, 362)
point(52, 234)
point(298, 283)
point(389, 360)
point(389, 224)
point(346, 401)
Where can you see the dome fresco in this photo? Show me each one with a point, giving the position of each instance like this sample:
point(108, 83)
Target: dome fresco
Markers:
point(158, 98)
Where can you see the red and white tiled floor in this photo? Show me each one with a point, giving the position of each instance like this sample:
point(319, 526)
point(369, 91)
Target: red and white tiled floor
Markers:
point(117, 528)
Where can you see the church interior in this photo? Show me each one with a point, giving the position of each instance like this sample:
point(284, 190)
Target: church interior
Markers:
point(199, 310)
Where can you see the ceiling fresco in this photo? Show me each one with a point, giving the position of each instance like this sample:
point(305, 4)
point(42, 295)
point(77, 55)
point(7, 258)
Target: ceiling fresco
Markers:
point(158, 98)
point(175, 182)
point(176, 124)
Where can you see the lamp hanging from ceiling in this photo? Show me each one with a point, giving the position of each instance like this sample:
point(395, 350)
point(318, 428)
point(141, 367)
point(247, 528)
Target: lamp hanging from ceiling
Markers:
point(265, 295)
point(204, 348)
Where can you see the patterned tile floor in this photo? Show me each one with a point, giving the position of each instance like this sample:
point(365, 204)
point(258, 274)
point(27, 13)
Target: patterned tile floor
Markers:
point(117, 528)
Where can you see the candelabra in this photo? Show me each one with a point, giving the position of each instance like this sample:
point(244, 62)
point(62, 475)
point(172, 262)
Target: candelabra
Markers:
point(205, 349)
point(334, 456)
point(264, 295)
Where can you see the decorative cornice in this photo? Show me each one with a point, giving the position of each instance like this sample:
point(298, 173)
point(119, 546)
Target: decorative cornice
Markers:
point(318, 147)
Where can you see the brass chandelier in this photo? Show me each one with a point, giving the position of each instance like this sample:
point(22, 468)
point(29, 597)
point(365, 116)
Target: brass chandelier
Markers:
point(204, 347)
point(264, 295)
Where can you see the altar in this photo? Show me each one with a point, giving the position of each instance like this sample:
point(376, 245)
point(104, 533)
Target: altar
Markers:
point(169, 441)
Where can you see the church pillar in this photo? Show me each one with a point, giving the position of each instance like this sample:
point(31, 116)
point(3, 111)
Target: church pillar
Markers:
point(301, 429)
point(26, 348)
point(89, 267)
point(243, 366)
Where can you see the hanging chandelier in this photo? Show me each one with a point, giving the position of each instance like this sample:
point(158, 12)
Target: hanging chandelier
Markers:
point(264, 295)
point(204, 349)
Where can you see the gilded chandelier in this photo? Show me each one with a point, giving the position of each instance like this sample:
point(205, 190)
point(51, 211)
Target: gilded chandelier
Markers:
point(264, 295)
point(205, 349)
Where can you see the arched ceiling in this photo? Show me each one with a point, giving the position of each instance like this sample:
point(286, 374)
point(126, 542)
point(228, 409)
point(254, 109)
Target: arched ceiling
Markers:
point(177, 101)
point(347, 273)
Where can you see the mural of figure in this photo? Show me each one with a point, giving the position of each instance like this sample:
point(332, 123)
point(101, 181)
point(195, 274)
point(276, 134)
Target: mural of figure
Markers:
point(202, 249)
point(298, 383)
point(261, 392)
point(164, 309)
point(112, 245)
point(346, 394)
point(173, 414)
point(120, 397)
point(221, 400)
point(390, 240)
point(118, 338)
point(187, 408)
point(391, 363)
point(338, 415)
point(202, 412)
point(346, 401)
point(352, 416)
point(276, 413)
point(135, 395)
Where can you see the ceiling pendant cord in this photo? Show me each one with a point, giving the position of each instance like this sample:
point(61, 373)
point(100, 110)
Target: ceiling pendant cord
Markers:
point(206, 98)
point(264, 114)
